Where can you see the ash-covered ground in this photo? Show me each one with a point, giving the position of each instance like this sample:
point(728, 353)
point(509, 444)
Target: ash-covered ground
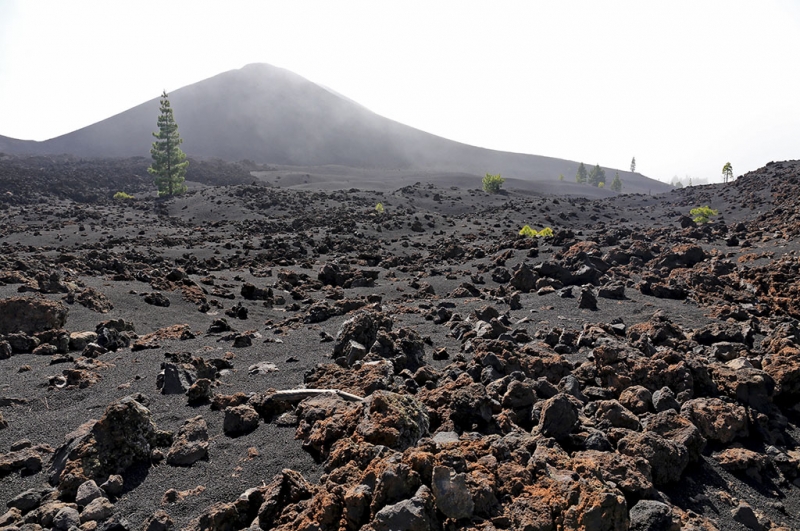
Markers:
point(636, 370)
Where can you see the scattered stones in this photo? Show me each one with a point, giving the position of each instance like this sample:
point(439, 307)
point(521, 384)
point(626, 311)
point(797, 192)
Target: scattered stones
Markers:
point(87, 491)
point(157, 298)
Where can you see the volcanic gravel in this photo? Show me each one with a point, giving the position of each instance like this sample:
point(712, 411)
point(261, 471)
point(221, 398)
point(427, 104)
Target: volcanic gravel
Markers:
point(471, 346)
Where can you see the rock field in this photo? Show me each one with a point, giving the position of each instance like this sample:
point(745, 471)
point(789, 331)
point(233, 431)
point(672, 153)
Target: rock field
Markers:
point(251, 356)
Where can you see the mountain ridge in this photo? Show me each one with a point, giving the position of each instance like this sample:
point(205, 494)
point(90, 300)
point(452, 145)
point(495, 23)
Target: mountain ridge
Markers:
point(271, 115)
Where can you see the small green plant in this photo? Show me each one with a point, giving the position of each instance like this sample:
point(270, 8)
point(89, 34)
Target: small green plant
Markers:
point(601, 184)
point(122, 196)
point(561, 177)
point(492, 183)
point(528, 232)
point(702, 214)
point(379, 208)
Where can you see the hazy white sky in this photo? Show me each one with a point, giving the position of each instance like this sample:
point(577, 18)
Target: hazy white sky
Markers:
point(684, 86)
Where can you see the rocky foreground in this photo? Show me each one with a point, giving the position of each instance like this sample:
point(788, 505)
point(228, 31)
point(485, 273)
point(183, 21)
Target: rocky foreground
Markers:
point(247, 356)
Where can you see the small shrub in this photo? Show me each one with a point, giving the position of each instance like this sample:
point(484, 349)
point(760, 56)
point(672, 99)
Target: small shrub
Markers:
point(528, 232)
point(702, 214)
point(601, 184)
point(122, 196)
point(492, 183)
point(379, 208)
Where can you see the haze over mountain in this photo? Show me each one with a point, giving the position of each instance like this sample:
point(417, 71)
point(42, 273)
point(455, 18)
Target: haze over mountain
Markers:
point(271, 115)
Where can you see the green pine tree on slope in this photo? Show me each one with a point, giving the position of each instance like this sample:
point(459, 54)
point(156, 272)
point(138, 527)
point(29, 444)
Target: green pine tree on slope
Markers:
point(169, 162)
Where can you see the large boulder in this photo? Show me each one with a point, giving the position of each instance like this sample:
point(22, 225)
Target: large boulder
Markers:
point(191, 443)
point(451, 493)
point(750, 386)
point(393, 420)
point(670, 425)
point(716, 419)
point(124, 435)
point(559, 417)
point(652, 515)
point(415, 514)
point(361, 328)
point(667, 458)
point(29, 315)
point(784, 368)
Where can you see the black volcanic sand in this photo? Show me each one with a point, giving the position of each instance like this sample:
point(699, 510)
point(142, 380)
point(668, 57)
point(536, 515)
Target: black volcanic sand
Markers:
point(258, 227)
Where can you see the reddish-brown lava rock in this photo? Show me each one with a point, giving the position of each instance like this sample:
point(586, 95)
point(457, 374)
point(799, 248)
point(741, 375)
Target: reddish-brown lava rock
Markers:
point(361, 380)
point(393, 420)
point(124, 435)
point(668, 459)
point(716, 419)
point(784, 368)
point(29, 315)
point(324, 420)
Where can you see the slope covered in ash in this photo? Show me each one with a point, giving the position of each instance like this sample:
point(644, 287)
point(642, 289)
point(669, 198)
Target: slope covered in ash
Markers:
point(633, 371)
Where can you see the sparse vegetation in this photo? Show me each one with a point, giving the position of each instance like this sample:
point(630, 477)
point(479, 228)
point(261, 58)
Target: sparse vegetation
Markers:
point(492, 183)
point(528, 232)
point(702, 214)
point(122, 196)
point(581, 176)
point(633, 165)
point(561, 177)
point(727, 172)
point(169, 162)
point(597, 175)
point(616, 184)
point(379, 208)
point(601, 185)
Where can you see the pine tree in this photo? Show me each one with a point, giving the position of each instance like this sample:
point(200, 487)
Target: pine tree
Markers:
point(597, 175)
point(580, 177)
point(727, 172)
point(633, 165)
point(169, 162)
point(616, 184)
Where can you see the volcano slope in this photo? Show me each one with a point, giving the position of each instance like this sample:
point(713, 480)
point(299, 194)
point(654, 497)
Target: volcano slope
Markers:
point(246, 356)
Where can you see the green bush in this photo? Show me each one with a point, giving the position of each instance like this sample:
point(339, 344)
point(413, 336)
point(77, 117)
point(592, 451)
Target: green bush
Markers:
point(528, 232)
point(379, 208)
point(492, 183)
point(702, 214)
point(122, 196)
